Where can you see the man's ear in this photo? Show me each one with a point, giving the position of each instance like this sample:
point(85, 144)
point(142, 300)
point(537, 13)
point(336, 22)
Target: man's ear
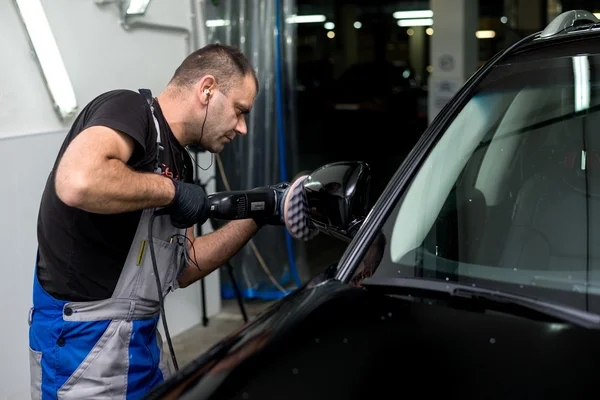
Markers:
point(206, 88)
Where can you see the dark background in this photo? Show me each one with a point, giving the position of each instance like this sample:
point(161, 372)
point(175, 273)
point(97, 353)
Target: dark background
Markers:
point(373, 73)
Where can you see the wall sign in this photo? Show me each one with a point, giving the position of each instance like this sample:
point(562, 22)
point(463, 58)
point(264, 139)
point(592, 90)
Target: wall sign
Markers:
point(446, 63)
point(441, 91)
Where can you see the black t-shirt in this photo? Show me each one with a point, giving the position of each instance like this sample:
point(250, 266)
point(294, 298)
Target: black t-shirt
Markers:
point(81, 254)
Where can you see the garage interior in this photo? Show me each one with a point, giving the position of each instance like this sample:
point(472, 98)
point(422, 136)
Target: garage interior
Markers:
point(359, 80)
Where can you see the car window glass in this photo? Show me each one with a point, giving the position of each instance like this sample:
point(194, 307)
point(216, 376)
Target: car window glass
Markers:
point(509, 197)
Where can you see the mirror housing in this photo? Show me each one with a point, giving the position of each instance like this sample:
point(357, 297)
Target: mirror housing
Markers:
point(338, 197)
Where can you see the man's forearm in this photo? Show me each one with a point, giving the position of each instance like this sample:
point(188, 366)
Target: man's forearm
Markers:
point(114, 189)
point(216, 248)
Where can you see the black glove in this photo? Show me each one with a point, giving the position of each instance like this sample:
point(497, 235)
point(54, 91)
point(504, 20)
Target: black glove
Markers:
point(189, 206)
point(280, 190)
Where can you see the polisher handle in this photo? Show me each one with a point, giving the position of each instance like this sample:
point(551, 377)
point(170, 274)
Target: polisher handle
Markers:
point(243, 204)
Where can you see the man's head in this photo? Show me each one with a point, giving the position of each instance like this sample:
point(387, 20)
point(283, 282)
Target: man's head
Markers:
point(218, 85)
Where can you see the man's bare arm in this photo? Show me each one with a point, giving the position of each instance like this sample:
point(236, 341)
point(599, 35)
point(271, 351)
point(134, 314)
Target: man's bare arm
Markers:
point(93, 175)
point(216, 248)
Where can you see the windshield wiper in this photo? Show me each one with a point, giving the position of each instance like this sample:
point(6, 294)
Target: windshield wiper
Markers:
point(512, 303)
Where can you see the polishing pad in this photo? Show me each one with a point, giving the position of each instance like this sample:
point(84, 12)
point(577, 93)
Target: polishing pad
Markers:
point(296, 213)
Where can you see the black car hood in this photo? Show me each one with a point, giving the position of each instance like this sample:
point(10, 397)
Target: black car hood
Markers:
point(266, 331)
point(337, 341)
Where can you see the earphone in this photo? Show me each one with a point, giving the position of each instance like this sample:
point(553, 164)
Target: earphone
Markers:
point(207, 92)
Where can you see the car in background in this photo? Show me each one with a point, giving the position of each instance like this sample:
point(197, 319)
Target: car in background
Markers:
point(476, 273)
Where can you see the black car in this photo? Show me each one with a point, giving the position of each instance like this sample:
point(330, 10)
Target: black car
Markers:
point(476, 274)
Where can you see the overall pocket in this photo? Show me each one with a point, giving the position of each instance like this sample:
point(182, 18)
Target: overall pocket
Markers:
point(35, 373)
point(166, 261)
point(104, 371)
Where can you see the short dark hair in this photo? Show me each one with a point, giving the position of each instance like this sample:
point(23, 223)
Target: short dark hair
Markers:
point(226, 63)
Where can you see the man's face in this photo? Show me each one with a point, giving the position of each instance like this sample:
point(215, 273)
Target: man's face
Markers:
point(226, 114)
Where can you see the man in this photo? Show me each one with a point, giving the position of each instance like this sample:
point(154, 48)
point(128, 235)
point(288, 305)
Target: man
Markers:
point(123, 170)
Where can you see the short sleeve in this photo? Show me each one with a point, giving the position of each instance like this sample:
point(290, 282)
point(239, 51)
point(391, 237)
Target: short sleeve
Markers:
point(122, 110)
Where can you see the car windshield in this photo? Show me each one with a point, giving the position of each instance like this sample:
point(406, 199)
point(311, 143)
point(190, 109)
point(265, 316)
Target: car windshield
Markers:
point(509, 197)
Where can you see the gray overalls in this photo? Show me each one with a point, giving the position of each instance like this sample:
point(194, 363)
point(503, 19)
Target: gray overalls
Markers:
point(109, 349)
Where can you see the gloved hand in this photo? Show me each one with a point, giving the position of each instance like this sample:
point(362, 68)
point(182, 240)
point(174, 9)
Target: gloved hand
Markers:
point(280, 190)
point(189, 206)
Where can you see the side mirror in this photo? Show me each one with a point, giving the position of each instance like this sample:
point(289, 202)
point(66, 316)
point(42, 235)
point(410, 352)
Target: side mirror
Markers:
point(338, 197)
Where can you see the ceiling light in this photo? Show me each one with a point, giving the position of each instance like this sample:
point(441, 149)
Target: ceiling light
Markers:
point(503, 20)
point(357, 24)
point(415, 22)
point(329, 25)
point(305, 19)
point(485, 34)
point(331, 34)
point(48, 57)
point(410, 31)
point(211, 23)
point(137, 7)
point(413, 14)
point(429, 31)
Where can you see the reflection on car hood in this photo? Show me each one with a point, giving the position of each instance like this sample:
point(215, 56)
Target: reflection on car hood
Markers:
point(336, 341)
point(206, 373)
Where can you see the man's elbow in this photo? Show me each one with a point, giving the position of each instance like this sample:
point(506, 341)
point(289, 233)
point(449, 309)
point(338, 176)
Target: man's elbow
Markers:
point(188, 280)
point(73, 189)
point(185, 279)
point(183, 283)
point(190, 276)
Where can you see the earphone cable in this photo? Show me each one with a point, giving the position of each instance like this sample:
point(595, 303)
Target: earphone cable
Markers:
point(202, 134)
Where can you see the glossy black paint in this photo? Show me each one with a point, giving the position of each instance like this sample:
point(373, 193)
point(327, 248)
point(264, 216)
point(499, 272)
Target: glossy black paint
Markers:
point(333, 341)
point(337, 196)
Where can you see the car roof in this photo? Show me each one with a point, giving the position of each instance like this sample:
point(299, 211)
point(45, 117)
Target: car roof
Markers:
point(570, 26)
point(567, 21)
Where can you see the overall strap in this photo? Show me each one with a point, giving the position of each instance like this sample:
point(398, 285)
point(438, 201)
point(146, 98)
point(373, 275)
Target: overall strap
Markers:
point(147, 95)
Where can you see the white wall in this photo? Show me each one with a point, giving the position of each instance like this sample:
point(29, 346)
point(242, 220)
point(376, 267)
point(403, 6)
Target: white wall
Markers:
point(99, 56)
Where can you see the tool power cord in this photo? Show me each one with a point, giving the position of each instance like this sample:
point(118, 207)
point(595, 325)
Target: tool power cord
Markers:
point(259, 257)
point(161, 300)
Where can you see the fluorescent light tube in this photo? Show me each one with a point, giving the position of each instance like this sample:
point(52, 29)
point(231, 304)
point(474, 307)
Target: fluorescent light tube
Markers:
point(415, 22)
point(413, 14)
point(137, 7)
point(211, 23)
point(48, 56)
point(305, 19)
point(485, 34)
